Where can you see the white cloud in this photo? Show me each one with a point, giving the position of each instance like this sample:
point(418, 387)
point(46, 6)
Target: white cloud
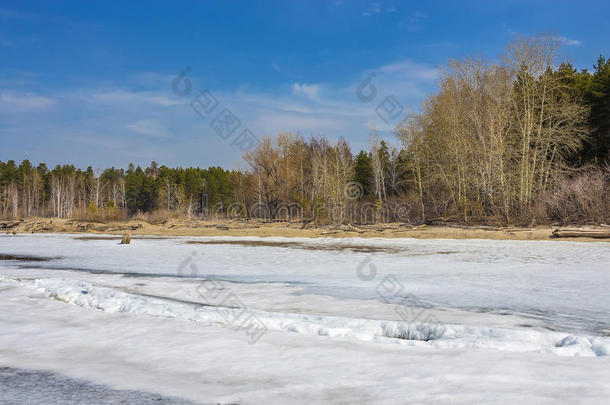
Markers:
point(415, 19)
point(309, 90)
point(567, 41)
point(376, 8)
point(172, 133)
point(406, 69)
point(149, 127)
point(20, 102)
point(151, 79)
point(303, 123)
point(122, 96)
point(373, 8)
point(561, 40)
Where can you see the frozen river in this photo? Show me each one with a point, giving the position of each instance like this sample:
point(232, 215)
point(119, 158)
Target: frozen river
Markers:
point(276, 320)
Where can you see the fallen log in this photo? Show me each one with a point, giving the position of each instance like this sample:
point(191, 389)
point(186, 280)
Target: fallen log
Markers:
point(354, 229)
point(581, 233)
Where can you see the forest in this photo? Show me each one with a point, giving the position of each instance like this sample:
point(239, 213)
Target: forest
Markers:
point(524, 140)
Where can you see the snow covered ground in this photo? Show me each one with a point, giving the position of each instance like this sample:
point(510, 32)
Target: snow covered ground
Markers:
point(277, 320)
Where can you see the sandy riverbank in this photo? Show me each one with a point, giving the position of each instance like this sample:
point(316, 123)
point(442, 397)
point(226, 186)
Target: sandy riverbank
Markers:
point(177, 227)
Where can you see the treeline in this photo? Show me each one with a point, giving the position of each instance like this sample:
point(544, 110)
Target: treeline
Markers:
point(518, 141)
point(68, 192)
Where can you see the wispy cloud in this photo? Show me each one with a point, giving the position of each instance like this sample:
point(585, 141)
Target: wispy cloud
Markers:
point(145, 121)
point(407, 69)
point(415, 20)
point(376, 8)
point(564, 41)
point(286, 73)
point(567, 41)
point(149, 127)
point(303, 123)
point(561, 40)
point(122, 97)
point(150, 79)
point(14, 102)
point(372, 9)
point(20, 79)
point(309, 90)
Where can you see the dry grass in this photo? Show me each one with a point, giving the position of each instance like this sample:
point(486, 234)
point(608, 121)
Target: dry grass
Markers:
point(99, 215)
point(158, 217)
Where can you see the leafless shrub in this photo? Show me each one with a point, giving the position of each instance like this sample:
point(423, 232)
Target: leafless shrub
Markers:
point(582, 198)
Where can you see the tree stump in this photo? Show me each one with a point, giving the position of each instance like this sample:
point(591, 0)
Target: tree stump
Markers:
point(126, 239)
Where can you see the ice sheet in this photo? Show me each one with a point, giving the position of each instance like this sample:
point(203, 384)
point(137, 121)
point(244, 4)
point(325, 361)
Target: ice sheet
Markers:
point(522, 321)
point(564, 284)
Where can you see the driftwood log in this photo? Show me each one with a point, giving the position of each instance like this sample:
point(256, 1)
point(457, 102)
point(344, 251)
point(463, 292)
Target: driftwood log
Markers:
point(581, 233)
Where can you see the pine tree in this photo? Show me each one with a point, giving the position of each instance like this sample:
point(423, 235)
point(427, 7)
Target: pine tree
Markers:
point(363, 172)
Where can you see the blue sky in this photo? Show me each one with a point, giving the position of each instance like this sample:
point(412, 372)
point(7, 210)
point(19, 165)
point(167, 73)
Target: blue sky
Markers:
point(90, 83)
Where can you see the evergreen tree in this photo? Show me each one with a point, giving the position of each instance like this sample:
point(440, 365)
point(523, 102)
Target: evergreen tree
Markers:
point(363, 172)
point(598, 97)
